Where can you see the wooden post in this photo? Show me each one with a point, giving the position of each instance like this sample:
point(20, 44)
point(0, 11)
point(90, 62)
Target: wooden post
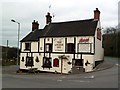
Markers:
point(61, 65)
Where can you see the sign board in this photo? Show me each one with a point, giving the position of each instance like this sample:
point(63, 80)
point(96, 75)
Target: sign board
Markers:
point(59, 44)
point(99, 33)
point(84, 47)
point(84, 40)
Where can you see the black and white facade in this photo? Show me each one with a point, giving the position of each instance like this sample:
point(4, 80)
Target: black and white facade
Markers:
point(63, 46)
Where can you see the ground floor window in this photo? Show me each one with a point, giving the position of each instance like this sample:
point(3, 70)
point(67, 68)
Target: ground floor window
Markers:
point(47, 62)
point(29, 61)
point(56, 62)
point(78, 62)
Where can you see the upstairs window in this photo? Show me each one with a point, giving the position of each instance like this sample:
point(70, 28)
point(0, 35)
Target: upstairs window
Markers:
point(48, 47)
point(27, 46)
point(70, 47)
point(84, 47)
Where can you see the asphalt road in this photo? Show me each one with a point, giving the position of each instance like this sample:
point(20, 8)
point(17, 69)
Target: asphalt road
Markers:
point(101, 79)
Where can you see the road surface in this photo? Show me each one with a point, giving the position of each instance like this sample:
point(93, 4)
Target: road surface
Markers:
point(107, 78)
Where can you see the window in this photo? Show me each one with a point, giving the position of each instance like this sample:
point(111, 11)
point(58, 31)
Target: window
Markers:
point(56, 62)
point(84, 47)
point(22, 59)
point(27, 46)
point(48, 47)
point(47, 62)
point(29, 61)
point(70, 47)
point(37, 59)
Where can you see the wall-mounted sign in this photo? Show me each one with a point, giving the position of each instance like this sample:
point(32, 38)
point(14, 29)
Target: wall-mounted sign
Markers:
point(84, 40)
point(99, 33)
point(59, 44)
point(84, 47)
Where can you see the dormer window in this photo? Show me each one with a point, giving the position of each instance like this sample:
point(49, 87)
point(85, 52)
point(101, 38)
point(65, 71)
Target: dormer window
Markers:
point(27, 46)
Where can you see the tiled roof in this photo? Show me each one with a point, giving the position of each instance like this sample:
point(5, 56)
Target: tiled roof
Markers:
point(63, 29)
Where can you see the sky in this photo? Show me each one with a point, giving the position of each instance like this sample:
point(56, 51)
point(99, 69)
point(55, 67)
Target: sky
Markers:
point(25, 11)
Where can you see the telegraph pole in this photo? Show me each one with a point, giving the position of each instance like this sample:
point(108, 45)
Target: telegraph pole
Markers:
point(7, 51)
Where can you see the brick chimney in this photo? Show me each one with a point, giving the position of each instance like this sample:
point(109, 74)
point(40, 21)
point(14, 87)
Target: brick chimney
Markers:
point(35, 25)
point(96, 14)
point(48, 18)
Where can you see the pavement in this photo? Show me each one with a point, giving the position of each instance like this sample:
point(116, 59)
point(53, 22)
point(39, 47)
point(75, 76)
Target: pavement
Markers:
point(104, 65)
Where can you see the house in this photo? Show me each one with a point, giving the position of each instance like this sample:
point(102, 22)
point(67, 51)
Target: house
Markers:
point(63, 47)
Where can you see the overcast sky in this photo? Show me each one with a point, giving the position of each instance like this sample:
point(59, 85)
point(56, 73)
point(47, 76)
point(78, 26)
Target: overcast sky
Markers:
point(25, 11)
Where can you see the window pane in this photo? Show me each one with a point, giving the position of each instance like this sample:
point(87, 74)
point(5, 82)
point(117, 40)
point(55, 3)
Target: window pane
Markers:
point(27, 46)
point(84, 48)
point(48, 47)
point(70, 47)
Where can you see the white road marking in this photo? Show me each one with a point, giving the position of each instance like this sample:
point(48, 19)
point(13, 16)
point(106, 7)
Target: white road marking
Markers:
point(82, 81)
point(59, 80)
point(90, 77)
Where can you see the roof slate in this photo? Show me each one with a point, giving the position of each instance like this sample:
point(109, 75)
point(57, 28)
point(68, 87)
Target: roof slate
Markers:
point(63, 29)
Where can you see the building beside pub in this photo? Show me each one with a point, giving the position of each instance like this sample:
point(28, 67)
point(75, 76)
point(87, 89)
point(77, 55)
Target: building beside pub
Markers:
point(63, 47)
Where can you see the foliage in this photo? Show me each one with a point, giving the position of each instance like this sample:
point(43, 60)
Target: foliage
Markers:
point(111, 42)
point(9, 55)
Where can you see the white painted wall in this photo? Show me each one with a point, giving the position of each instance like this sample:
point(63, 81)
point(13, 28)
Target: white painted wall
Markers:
point(34, 46)
point(99, 51)
point(41, 44)
point(66, 67)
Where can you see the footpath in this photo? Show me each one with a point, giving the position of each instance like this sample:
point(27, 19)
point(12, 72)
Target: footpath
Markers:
point(104, 65)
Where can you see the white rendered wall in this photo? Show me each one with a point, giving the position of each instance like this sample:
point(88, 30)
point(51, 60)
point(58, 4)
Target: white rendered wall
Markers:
point(99, 51)
point(34, 46)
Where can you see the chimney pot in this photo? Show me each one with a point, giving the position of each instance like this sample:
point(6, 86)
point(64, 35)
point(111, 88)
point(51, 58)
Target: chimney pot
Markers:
point(96, 14)
point(48, 18)
point(35, 25)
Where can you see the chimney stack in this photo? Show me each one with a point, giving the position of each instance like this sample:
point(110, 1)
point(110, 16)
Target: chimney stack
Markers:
point(35, 25)
point(96, 14)
point(48, 18)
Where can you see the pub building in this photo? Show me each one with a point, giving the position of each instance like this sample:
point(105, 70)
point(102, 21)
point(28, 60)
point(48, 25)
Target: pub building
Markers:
point(63, 47)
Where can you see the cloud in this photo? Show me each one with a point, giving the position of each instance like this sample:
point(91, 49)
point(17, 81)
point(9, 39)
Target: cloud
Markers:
point(25, 11)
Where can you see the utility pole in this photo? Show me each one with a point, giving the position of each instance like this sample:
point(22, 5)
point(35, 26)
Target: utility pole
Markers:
point(7, 51)
point(18, 40)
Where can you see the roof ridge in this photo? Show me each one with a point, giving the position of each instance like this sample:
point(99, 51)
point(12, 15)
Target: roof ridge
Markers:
point(72, 21)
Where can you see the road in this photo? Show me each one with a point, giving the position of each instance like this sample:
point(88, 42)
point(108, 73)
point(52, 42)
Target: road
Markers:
point(101, 79)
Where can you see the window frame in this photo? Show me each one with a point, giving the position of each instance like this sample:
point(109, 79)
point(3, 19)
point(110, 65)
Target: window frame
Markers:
point(45, 64)
point(27, 63)
point(27, 47)
point(90, 51)
point(69, 49)
point(50, 47)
